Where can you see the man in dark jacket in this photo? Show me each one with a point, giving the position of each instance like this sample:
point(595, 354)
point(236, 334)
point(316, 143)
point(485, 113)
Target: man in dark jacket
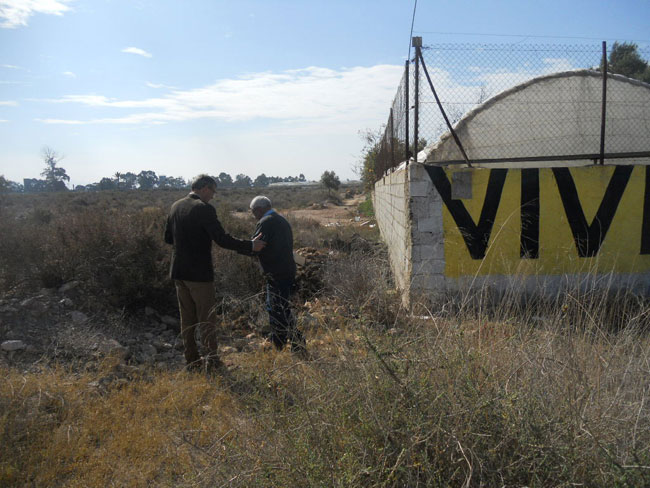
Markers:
point(279, 270)
point(191, 227)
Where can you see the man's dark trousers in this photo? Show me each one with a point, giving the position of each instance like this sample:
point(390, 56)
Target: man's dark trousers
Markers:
point(283, 322)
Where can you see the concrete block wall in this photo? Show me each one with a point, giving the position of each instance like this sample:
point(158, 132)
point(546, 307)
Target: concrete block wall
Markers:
point(426, 230)
point(390, 200)
point(430, 251)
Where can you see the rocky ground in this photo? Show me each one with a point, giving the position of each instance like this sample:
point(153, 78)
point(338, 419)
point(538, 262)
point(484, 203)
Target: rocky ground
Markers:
point(48, 328)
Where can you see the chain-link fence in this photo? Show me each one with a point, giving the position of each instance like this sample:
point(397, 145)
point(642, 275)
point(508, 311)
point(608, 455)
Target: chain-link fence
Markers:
point(515, 103)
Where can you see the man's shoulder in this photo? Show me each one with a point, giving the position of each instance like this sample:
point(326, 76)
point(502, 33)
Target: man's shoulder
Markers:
point(275, 221)
point(191, 205)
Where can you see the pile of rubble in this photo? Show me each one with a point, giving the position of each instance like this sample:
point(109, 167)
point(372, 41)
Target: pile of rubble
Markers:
point(48, 327)
point(309, 274)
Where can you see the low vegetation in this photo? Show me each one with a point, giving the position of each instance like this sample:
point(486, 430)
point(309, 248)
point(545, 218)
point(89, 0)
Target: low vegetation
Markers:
point(465, 390)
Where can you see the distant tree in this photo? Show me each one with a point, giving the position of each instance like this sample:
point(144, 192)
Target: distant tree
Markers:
point(330, 181)
point(162, 182)
point(129, 181)
point(106, 184)
point(301, 177)
point(147, 180)
point(367, 166)
point(5, 184)
point(624, 59)
point(243, 181)
point(118, 175)
point(224, 180)
point(177, 182)
point(261, 180)
point(55, 176)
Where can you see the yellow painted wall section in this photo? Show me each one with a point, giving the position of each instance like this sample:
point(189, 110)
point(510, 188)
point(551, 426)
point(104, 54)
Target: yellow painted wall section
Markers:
point(557, 251)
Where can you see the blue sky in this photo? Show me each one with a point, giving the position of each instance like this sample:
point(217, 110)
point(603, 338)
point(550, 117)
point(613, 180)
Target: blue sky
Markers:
point(274, 87)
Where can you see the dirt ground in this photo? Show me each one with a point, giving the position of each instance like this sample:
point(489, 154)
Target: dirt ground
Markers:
point(328, 213)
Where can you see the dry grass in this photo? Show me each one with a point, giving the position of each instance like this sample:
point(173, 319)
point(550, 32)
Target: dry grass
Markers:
point(524, 391)
point(433, 404)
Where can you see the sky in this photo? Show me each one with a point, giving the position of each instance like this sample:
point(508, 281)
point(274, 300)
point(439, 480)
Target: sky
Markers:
point(266, 86)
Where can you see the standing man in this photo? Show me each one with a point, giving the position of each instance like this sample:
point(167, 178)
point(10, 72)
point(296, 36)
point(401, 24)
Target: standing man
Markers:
point(279, 270)
point(191, 227)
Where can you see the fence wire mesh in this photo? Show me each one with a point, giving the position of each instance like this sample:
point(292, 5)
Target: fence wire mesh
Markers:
point(514, 103)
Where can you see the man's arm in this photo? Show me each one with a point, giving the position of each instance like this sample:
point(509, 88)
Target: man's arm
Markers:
point(169, 236)
point(223, 239)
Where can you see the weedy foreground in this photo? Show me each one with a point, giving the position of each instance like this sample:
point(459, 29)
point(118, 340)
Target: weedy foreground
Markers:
point(460, 391)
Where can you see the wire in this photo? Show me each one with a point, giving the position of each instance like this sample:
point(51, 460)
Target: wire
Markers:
point(415, 5)
point(522, 35)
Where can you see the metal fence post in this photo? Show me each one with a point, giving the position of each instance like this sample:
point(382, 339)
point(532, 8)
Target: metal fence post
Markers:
point(417, 44)
point(604, 105)
point(392, 139)
point(407, 107)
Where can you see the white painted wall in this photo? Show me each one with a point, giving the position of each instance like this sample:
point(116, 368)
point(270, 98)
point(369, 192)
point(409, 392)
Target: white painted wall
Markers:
point(391, 205)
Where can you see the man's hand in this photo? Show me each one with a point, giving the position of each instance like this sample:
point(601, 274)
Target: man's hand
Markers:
point(258, 243)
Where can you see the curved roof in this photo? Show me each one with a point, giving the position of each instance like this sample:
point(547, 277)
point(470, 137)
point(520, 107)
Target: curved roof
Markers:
point(552, 115)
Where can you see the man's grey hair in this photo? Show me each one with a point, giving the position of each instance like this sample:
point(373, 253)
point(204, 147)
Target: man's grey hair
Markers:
point(202, 181)
point(260, 201)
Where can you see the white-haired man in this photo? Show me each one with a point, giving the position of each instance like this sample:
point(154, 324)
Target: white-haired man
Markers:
point(279, 270)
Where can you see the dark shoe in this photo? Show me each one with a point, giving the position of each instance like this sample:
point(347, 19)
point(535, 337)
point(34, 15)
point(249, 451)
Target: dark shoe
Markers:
point(278, 342)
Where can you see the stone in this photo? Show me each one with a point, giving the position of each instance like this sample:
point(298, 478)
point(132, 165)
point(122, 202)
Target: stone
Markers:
point(34, 305)
point(78, 317)
point(227, 350)
point(12, 345)
point(148, 335)
point(148, 349)
point(114, 348)
point(66, 302)
point(170, 321)
point(68, 286)
point(148, 311)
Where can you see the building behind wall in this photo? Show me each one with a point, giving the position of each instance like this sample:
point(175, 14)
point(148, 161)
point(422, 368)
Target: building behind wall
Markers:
point(540, 224)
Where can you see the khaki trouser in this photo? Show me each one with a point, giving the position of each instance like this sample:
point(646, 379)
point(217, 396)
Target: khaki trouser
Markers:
point(196, 302)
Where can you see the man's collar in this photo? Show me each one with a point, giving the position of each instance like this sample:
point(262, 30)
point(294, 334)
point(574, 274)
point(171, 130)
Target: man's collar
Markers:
point(268, 212)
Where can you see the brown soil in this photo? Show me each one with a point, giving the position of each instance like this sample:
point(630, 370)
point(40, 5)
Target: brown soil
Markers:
point(327, 213)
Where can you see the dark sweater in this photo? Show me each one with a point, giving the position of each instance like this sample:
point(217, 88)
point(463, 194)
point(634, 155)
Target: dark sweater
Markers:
point(191, 227)
point(276, 258)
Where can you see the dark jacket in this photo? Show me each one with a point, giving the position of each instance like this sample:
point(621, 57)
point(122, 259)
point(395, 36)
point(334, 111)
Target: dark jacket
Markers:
point(276, 258)
point(191, 227)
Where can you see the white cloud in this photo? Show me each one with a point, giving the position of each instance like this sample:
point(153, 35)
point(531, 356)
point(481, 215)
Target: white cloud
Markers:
point(136, 50)
point(159, 85)
point(350, 97)
point(10, 66)
point(15, 13)
point(3, 120)
point(69, 74)
point(9, 103)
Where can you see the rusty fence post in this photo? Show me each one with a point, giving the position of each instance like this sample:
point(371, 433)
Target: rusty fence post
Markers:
point(603, 105)
point(407, 107)
point(417, 44)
